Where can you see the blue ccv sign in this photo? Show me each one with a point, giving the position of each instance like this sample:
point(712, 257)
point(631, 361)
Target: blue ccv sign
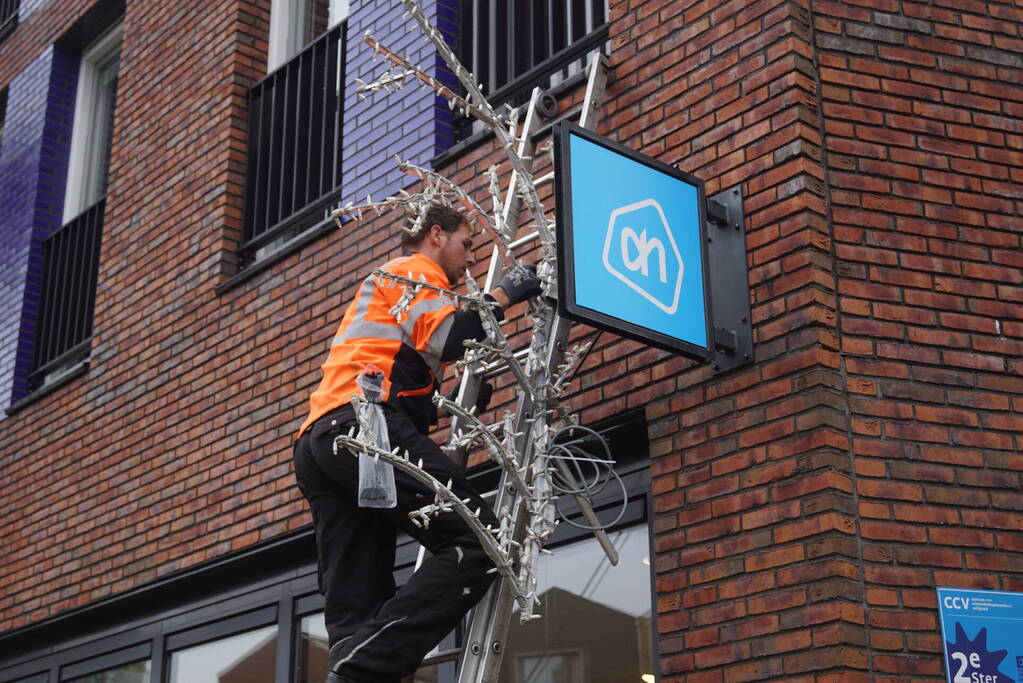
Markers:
point(630, 243)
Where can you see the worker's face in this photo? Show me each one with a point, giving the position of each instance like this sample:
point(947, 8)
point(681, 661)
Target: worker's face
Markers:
point(455, 252)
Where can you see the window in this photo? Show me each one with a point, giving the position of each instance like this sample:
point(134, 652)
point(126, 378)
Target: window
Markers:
point(128, 673)
point(244, 658)
point(88, 166)
point(294, 24)
point(596, 625)
point(312, 649)
point(71, 254)
point(8, 16)
point(515, 46)
point(293, 168)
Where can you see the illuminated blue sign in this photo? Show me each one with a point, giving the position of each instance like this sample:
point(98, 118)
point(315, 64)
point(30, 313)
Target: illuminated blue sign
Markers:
point(983, 635)
point(631, 243)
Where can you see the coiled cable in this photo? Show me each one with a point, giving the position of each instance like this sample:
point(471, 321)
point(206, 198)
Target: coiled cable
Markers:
point(575, 471)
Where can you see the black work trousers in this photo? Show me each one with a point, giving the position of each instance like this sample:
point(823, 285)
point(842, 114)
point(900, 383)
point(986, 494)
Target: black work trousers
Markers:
point(386, 633)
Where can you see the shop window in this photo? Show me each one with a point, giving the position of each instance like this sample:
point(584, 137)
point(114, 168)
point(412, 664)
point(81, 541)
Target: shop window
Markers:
point(596, 625)
point(244, 658)
point(128, 673)
point(312, 649)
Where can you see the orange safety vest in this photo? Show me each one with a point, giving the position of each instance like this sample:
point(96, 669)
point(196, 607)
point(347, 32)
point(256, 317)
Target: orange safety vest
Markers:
point(406, 348)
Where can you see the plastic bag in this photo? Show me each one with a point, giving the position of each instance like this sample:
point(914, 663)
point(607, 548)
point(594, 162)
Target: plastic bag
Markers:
point(376, 477)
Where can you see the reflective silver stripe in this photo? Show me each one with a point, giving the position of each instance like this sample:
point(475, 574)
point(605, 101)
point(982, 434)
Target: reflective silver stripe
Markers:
point(365, 296)
point(423, 307)
point(359, 327)
point(367, 641)
point(432, 362)
point(435, 347)
point(364, 328)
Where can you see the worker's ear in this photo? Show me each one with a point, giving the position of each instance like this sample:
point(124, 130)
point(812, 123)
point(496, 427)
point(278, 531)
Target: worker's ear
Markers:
point(435, 233)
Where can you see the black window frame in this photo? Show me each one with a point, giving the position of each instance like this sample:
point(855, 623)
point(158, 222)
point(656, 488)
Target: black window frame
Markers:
point(8, 17)
point(278, 206)
point(106, 661)
point(67, 298)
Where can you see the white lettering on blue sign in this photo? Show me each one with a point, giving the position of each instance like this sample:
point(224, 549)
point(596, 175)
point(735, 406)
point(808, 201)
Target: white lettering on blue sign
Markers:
point(956, 602)
point(627, 254)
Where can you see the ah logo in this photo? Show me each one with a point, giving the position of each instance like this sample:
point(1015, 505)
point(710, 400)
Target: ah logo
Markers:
point(640, 250)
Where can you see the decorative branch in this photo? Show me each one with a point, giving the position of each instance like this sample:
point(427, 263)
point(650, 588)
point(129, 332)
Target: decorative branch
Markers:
point(445, 501)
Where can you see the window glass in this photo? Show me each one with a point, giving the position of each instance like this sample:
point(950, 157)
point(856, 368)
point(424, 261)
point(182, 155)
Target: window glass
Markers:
point(246, 658)
point(129, 673)
point(312, 649)
point(102, 118)
point(89, 161)
point(442, 672)
point(560, 667)
point(313, 19)
point(595, 625)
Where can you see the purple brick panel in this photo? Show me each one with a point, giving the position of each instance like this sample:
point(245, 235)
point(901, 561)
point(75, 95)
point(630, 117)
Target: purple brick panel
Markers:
point(403, 123)
point(33, 165)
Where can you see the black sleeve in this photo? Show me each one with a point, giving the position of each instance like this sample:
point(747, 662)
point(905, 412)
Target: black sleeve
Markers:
point(466, 325)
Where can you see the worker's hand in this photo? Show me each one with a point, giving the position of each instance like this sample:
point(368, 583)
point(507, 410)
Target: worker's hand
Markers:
point(520, 283)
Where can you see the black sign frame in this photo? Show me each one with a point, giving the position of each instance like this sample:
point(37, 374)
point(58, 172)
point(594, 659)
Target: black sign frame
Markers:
point(564, 229)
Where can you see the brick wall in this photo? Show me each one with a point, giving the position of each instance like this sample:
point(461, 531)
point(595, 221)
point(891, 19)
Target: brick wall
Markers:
point(752, 476)
point(805, 506)
point(148, 463)
point(924, 103)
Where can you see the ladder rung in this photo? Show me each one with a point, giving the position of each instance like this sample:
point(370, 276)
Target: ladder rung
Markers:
point(545, 178)
point(496, 367)
point(524, 239)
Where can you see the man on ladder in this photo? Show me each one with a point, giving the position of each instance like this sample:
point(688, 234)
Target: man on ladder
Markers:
point(377, 634)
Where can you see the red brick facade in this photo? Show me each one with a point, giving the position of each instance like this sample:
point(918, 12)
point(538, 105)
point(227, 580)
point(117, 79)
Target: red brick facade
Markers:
point(806, 506)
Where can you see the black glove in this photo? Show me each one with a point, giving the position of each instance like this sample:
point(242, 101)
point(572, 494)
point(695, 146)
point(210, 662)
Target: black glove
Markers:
point(520, 283)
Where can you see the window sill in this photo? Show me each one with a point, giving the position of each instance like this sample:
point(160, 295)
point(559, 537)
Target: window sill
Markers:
point(72, 373)
point(286, 249)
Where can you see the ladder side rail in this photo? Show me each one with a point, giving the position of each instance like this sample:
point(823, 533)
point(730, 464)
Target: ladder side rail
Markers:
point(483, 649)
point(469, 387)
